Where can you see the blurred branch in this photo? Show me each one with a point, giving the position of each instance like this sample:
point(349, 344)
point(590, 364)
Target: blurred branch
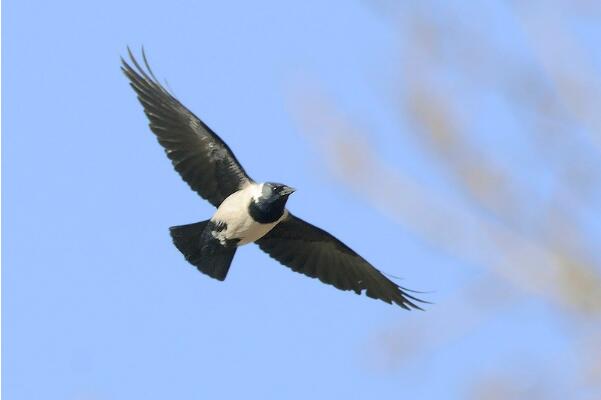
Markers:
point(458, 317)
point(527, 263)
point(528, 210)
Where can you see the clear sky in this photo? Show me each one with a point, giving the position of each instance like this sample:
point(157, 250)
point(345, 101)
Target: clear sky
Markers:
point(98, 303)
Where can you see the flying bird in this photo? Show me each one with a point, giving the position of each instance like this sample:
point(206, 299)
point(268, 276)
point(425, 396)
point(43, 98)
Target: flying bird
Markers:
point(247, 211)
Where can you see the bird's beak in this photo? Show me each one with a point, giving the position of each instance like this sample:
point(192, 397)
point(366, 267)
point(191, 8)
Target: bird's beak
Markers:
point(287, 190)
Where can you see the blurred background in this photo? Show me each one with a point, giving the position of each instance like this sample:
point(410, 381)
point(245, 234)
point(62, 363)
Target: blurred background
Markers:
point(456, 145)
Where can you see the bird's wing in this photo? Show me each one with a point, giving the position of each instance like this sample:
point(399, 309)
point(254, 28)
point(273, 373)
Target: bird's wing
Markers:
point(202, 159)
point(314, 252)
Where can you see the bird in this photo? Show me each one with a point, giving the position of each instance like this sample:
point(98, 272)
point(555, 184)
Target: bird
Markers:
point(247, 211)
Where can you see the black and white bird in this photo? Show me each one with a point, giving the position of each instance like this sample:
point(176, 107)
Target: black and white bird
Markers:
point(247, 211)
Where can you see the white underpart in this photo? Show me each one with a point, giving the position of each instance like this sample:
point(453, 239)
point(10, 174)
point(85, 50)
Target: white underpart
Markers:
point(240, 225)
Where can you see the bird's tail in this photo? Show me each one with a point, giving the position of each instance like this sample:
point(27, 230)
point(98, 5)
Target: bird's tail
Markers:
point(202, 250)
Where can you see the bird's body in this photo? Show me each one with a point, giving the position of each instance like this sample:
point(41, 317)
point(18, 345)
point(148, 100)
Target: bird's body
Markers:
point(235, 214)
point(247, 211)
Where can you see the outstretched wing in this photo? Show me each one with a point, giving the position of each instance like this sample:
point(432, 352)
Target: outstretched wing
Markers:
point(202, 159)
point(314, 252)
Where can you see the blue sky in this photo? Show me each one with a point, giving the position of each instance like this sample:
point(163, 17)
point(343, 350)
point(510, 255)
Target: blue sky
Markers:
point(97, 302)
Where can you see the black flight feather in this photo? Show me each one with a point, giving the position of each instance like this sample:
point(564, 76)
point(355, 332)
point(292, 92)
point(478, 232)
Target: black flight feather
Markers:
point(337, 264)
point(202, 159)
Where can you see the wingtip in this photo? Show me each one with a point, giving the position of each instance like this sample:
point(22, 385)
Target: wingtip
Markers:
point(410, 305)
point(130, 53)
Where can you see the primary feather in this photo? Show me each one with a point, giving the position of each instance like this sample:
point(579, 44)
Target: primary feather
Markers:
point(314, 252)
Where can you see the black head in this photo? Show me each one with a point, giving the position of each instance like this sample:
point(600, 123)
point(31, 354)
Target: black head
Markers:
point(269, 205)
point(275, 191)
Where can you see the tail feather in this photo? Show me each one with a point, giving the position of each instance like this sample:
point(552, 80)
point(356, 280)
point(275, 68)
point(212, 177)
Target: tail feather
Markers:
point(202, 250)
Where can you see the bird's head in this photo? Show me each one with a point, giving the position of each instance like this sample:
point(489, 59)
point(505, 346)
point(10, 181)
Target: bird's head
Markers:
point(268, 202)
point(271, 191)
